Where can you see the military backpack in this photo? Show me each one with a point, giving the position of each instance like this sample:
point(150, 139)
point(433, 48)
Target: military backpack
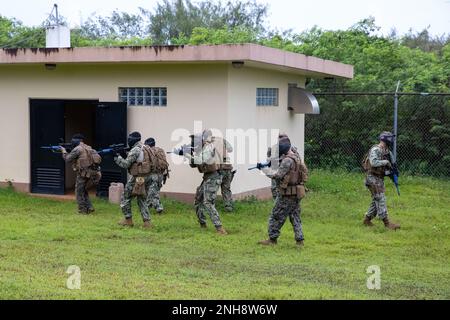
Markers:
point(158, 160)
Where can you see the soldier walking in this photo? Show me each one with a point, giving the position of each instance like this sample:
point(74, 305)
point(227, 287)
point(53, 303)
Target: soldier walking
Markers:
point(207, 160)
point(274, 158)
point(159, 173)
point(289, 177)
point(226, 171)
point(137, 163)
point(378, 161)
point(85, 162)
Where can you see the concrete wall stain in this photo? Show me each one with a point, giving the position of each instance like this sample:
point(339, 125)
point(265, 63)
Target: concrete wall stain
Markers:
point(11, 52)
point(47, 51)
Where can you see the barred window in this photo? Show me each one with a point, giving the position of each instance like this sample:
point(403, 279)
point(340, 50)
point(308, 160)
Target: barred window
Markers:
point(150, 97)
point(267, 96)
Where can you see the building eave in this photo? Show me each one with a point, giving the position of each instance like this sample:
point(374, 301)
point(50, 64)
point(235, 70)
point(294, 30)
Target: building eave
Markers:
point(254, 55)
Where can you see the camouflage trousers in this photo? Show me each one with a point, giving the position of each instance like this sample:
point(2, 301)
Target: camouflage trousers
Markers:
point(274, 189)
point(205, 198)
point(225, 187)
point(285, 206)
point(378, 205)
point(155, 185)
point(127, 196)
point(82, 195)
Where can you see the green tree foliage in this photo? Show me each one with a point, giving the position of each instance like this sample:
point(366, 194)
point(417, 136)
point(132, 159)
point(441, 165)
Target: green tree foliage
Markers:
point(13, 34)
point(224, 35)
point(171, 21)
point(177, 19)
point(425, 41)
point(120, 25)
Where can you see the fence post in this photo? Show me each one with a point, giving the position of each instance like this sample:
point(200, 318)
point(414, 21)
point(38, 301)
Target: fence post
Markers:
point(395, 120)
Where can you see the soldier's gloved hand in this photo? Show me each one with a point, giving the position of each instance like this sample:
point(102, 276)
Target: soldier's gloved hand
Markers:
point(259, 165)
point(63, 150)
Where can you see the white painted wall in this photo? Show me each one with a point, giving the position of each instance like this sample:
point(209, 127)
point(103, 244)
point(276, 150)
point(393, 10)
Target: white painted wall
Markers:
point(243, 113)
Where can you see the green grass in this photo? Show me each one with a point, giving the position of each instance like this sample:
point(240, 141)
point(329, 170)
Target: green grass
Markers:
point(41, 238)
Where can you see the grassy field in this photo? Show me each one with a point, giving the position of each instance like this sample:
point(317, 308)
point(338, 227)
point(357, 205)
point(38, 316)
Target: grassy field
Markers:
point(40, 239)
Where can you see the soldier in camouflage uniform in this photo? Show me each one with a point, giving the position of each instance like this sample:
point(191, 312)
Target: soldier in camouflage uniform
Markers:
point(88, 172)
point(207, 161)
point(376, 163)
point(289, 177)
point(226, 171)
point(134, 156)
point(157, 179)
point(281, 136)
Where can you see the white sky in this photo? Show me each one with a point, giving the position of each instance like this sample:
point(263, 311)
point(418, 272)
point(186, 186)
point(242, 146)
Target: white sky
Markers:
point(298, 15)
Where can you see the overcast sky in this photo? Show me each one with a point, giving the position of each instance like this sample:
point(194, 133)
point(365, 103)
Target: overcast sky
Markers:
point(298, 15)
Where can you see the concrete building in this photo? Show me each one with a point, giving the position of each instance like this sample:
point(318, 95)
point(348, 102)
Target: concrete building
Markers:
point(50, 93)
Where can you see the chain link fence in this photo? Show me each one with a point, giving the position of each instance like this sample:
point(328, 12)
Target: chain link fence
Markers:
point(349, 124)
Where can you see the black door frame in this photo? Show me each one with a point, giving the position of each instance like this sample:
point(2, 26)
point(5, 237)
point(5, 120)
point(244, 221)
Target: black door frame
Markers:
point(32, 124)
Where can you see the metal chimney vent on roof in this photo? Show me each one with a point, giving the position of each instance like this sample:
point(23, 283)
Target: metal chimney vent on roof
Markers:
point(302, 101)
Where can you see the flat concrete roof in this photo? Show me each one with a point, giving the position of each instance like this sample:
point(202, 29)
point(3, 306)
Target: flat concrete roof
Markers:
point(252, 54)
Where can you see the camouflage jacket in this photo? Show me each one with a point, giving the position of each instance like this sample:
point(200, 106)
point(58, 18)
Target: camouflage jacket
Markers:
point(280, 173)
point(73, 155)
point(208, 155)
point(378, 158)
point(132, 157)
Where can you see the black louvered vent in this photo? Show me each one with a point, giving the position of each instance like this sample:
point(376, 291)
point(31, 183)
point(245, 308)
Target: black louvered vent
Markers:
point(48, 178)
point(107, 178)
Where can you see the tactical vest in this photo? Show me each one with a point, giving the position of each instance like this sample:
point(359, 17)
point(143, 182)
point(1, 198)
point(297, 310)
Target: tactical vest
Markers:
point(376, 171)
point(158, 160)
point(88, 158)
point(142, 167)
point(209, 168)
point(293, 182)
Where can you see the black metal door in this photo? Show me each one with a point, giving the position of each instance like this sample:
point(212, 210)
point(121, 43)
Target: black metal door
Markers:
point(110, 128)
point(46, 128)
